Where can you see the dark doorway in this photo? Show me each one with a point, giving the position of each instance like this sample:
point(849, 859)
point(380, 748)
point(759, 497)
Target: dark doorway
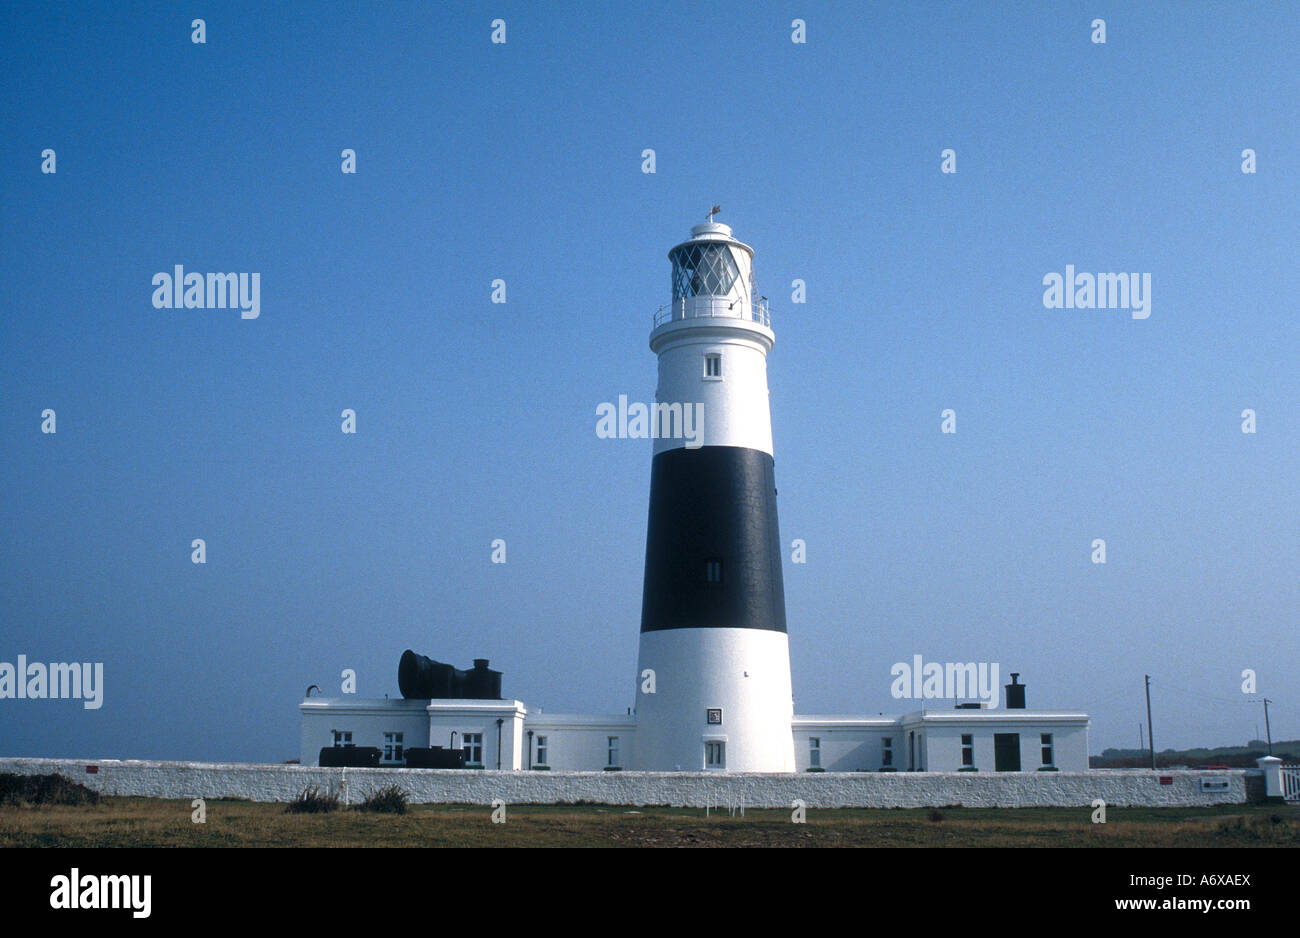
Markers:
point(1006, 752)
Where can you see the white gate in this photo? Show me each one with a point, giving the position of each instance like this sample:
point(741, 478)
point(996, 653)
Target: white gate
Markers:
point(1291, 782)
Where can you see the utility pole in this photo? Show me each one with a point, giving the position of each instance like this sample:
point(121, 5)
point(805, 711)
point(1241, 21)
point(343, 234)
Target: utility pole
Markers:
point(1267, 729)
point(1142, 740)
point(1151, 740)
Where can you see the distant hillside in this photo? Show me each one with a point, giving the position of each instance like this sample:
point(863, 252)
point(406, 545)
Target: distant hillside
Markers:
point(1234, 756)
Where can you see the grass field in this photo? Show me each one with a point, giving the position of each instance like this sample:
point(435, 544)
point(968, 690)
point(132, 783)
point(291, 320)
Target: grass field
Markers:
point(137, 822)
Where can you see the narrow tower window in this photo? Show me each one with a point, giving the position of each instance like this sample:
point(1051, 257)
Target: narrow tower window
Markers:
point(713, 571)
point(968, 750)
point(715, 755)
point(713, 365)
point(1048, 756)
point(814, 752)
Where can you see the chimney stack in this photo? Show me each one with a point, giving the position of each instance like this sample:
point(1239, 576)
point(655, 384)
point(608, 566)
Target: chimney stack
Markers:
point(1015, 692)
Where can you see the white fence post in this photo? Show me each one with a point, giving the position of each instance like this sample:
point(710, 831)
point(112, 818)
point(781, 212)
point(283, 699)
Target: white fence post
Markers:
point(1272, 767)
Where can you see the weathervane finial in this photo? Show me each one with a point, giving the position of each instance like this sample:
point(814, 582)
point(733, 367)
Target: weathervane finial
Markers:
point(713, 211)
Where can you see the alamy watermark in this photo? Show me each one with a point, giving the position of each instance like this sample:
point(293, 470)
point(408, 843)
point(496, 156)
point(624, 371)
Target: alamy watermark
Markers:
point(179, 290)
point(87, 891)
point(639, 421)
point(1098, 291)
point(950, 680)
point(82, 681)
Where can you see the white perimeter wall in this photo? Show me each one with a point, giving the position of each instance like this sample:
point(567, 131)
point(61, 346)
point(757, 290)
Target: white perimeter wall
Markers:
point(187, 780)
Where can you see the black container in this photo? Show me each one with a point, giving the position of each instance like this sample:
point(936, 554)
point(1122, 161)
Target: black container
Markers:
point(351, 757)
point(435, 758)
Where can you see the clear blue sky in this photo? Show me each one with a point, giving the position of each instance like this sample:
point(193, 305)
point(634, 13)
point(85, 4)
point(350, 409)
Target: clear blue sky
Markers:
point(476, 421)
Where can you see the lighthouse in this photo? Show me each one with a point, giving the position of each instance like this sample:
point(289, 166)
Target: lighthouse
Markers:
point(713, 689)
point(713, 669)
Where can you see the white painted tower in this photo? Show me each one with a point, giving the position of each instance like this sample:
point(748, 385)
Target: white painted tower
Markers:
point(713, 626)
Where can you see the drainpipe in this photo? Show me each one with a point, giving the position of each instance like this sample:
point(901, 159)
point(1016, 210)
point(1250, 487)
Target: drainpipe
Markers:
point(530, 750)
point(500, 720)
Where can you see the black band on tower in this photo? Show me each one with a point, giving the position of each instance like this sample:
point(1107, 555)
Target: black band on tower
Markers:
point(713, 551)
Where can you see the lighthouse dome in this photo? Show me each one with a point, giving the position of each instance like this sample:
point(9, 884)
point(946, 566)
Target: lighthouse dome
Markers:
point(712, 277)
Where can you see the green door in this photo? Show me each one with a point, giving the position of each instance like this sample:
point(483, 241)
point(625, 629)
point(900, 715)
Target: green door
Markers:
point(1006, 752)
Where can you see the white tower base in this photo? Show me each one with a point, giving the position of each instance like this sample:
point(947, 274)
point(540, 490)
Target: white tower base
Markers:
point(745, 673)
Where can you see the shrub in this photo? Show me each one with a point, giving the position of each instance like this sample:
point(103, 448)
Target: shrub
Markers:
point(44, 789)
point(313, 801)
point(936, 816)
point(391, 799)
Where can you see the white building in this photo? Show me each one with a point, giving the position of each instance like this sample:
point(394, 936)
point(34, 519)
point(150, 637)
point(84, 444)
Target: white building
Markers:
point(713, 671)
point(503, 734)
